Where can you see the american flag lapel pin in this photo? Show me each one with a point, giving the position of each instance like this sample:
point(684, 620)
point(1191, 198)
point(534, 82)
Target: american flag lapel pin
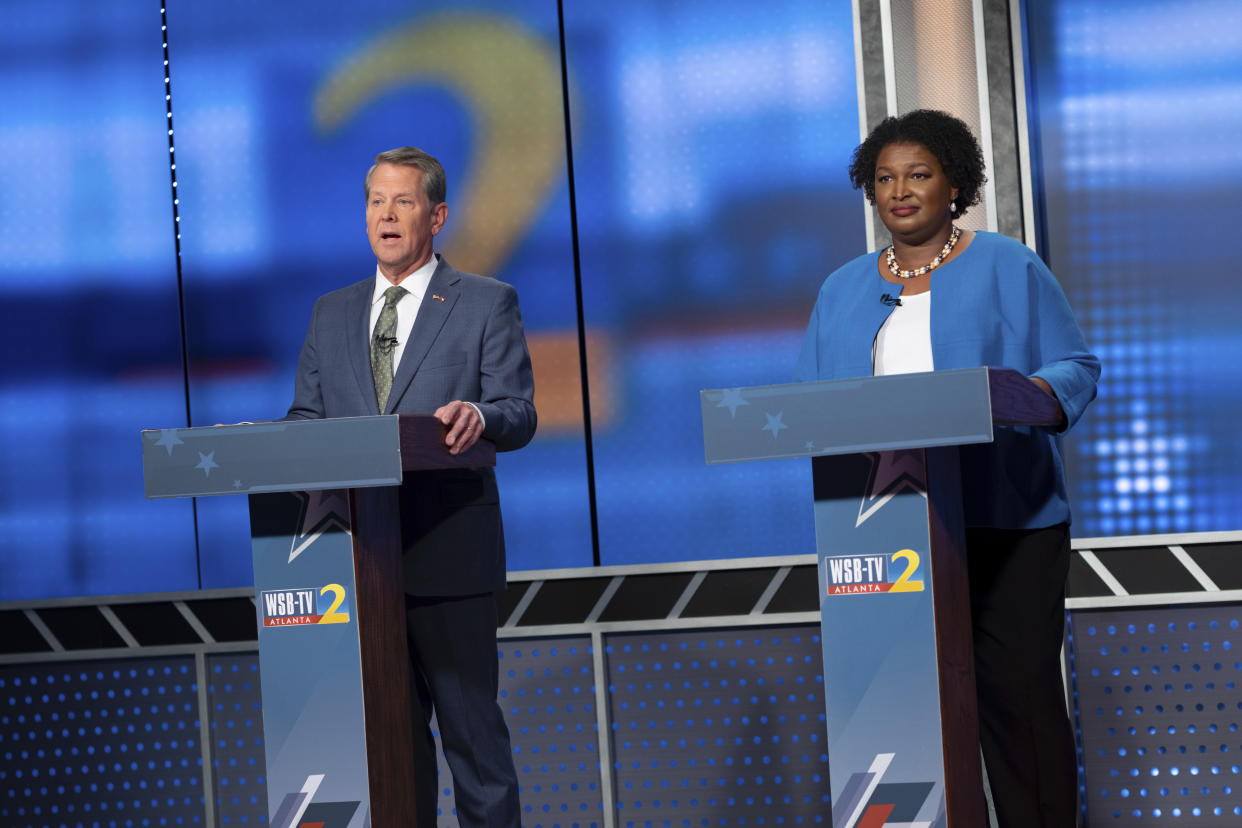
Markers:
point(437, 297)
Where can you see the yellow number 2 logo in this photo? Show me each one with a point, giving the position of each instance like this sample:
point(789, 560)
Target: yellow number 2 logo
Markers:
point(334, 617)
point(903, 583)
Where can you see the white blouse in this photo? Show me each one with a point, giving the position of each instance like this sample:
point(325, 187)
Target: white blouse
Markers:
point(903, 345)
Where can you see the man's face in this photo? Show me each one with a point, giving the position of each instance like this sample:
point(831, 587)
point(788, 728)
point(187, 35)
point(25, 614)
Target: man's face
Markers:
point(401, 223)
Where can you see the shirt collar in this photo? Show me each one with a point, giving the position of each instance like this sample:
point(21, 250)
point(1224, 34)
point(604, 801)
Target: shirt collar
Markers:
point(416, 283)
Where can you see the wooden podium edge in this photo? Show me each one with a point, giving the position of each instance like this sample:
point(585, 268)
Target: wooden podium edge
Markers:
point(422, 446)
point(959, 716)
point(384, 653)
point(383, 649)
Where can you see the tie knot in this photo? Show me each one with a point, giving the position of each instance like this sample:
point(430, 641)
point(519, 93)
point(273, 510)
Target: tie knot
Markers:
point(393, 295)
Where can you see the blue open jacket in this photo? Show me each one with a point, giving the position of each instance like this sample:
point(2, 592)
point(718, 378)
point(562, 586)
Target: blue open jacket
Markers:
point(996, 304)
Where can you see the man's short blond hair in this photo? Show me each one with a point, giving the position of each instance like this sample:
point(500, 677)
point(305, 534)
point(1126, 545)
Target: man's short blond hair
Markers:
point(435, 183)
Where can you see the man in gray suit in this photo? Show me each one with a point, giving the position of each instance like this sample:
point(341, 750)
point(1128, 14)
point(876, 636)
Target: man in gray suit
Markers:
point(420, 337)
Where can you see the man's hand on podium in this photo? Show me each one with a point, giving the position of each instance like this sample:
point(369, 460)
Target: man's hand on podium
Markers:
point(464, 424)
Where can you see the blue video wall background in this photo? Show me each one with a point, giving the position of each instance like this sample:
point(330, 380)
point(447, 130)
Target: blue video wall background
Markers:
point(1138, 117)
point(709, 147)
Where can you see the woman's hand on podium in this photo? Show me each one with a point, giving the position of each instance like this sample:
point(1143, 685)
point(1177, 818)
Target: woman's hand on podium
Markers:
point(1042, 383)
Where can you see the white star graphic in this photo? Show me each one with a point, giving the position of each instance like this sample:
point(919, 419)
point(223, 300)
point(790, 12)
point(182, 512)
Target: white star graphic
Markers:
point(774, 423)
point(321, 511)
point(207, 462)
point(809, 445)
point(168, 439)
point(236, 484)
point(731, 398)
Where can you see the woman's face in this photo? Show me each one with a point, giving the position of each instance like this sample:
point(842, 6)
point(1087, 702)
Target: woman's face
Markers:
point(912, 192)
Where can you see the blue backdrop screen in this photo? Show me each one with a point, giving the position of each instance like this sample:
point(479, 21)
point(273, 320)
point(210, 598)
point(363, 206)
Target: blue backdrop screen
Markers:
point(88, 303)
point(277, 123)
point(1136, 106)
point(709, 147)
point(709, 150)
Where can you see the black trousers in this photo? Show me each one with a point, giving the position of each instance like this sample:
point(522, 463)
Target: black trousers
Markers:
point(1017, 602)
point(455, 672)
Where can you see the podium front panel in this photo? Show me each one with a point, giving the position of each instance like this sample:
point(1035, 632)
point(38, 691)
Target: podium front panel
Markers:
point(881, 681)
point(894, 591)
point(313, 718)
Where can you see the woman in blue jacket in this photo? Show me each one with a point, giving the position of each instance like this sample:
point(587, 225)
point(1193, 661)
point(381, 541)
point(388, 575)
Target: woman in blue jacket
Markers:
point(940, 297)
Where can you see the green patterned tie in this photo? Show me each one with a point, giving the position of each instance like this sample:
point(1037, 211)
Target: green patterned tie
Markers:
point(383, 343)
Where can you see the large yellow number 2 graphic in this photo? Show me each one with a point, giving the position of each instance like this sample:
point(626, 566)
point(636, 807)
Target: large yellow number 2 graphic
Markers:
point(332, 616)
point(903, 583)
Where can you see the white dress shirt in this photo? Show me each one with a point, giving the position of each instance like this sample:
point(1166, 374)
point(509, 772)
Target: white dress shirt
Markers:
point(407, 306)
point(416, 285)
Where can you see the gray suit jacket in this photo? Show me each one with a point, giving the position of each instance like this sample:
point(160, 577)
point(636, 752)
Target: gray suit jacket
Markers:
point(467, 344)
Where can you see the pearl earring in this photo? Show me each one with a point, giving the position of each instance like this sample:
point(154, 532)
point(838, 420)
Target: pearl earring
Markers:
point(952, 206)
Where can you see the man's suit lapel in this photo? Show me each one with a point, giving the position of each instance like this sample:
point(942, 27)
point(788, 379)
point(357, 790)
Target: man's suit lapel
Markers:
point(442, 293)
point(358, 312)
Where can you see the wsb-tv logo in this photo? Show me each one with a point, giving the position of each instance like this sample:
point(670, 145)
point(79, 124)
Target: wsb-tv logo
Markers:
point(861, 574)
point(294, 607)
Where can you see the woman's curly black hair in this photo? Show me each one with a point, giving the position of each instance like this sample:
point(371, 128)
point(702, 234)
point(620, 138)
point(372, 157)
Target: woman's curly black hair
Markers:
point(944, 136)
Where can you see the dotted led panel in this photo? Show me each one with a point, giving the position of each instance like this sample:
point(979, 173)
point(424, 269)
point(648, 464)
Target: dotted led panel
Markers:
point(100, 743)
point(721, 727)
point(1135, 122)
point(547, 695)
point(1156, 691)
point(236, 721)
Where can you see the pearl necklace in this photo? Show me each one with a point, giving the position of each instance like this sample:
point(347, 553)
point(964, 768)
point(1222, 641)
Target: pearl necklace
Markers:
point(891, 258)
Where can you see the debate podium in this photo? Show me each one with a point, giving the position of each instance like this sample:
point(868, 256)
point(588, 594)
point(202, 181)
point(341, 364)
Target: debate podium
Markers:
point(326, 541)
point(899, 685)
